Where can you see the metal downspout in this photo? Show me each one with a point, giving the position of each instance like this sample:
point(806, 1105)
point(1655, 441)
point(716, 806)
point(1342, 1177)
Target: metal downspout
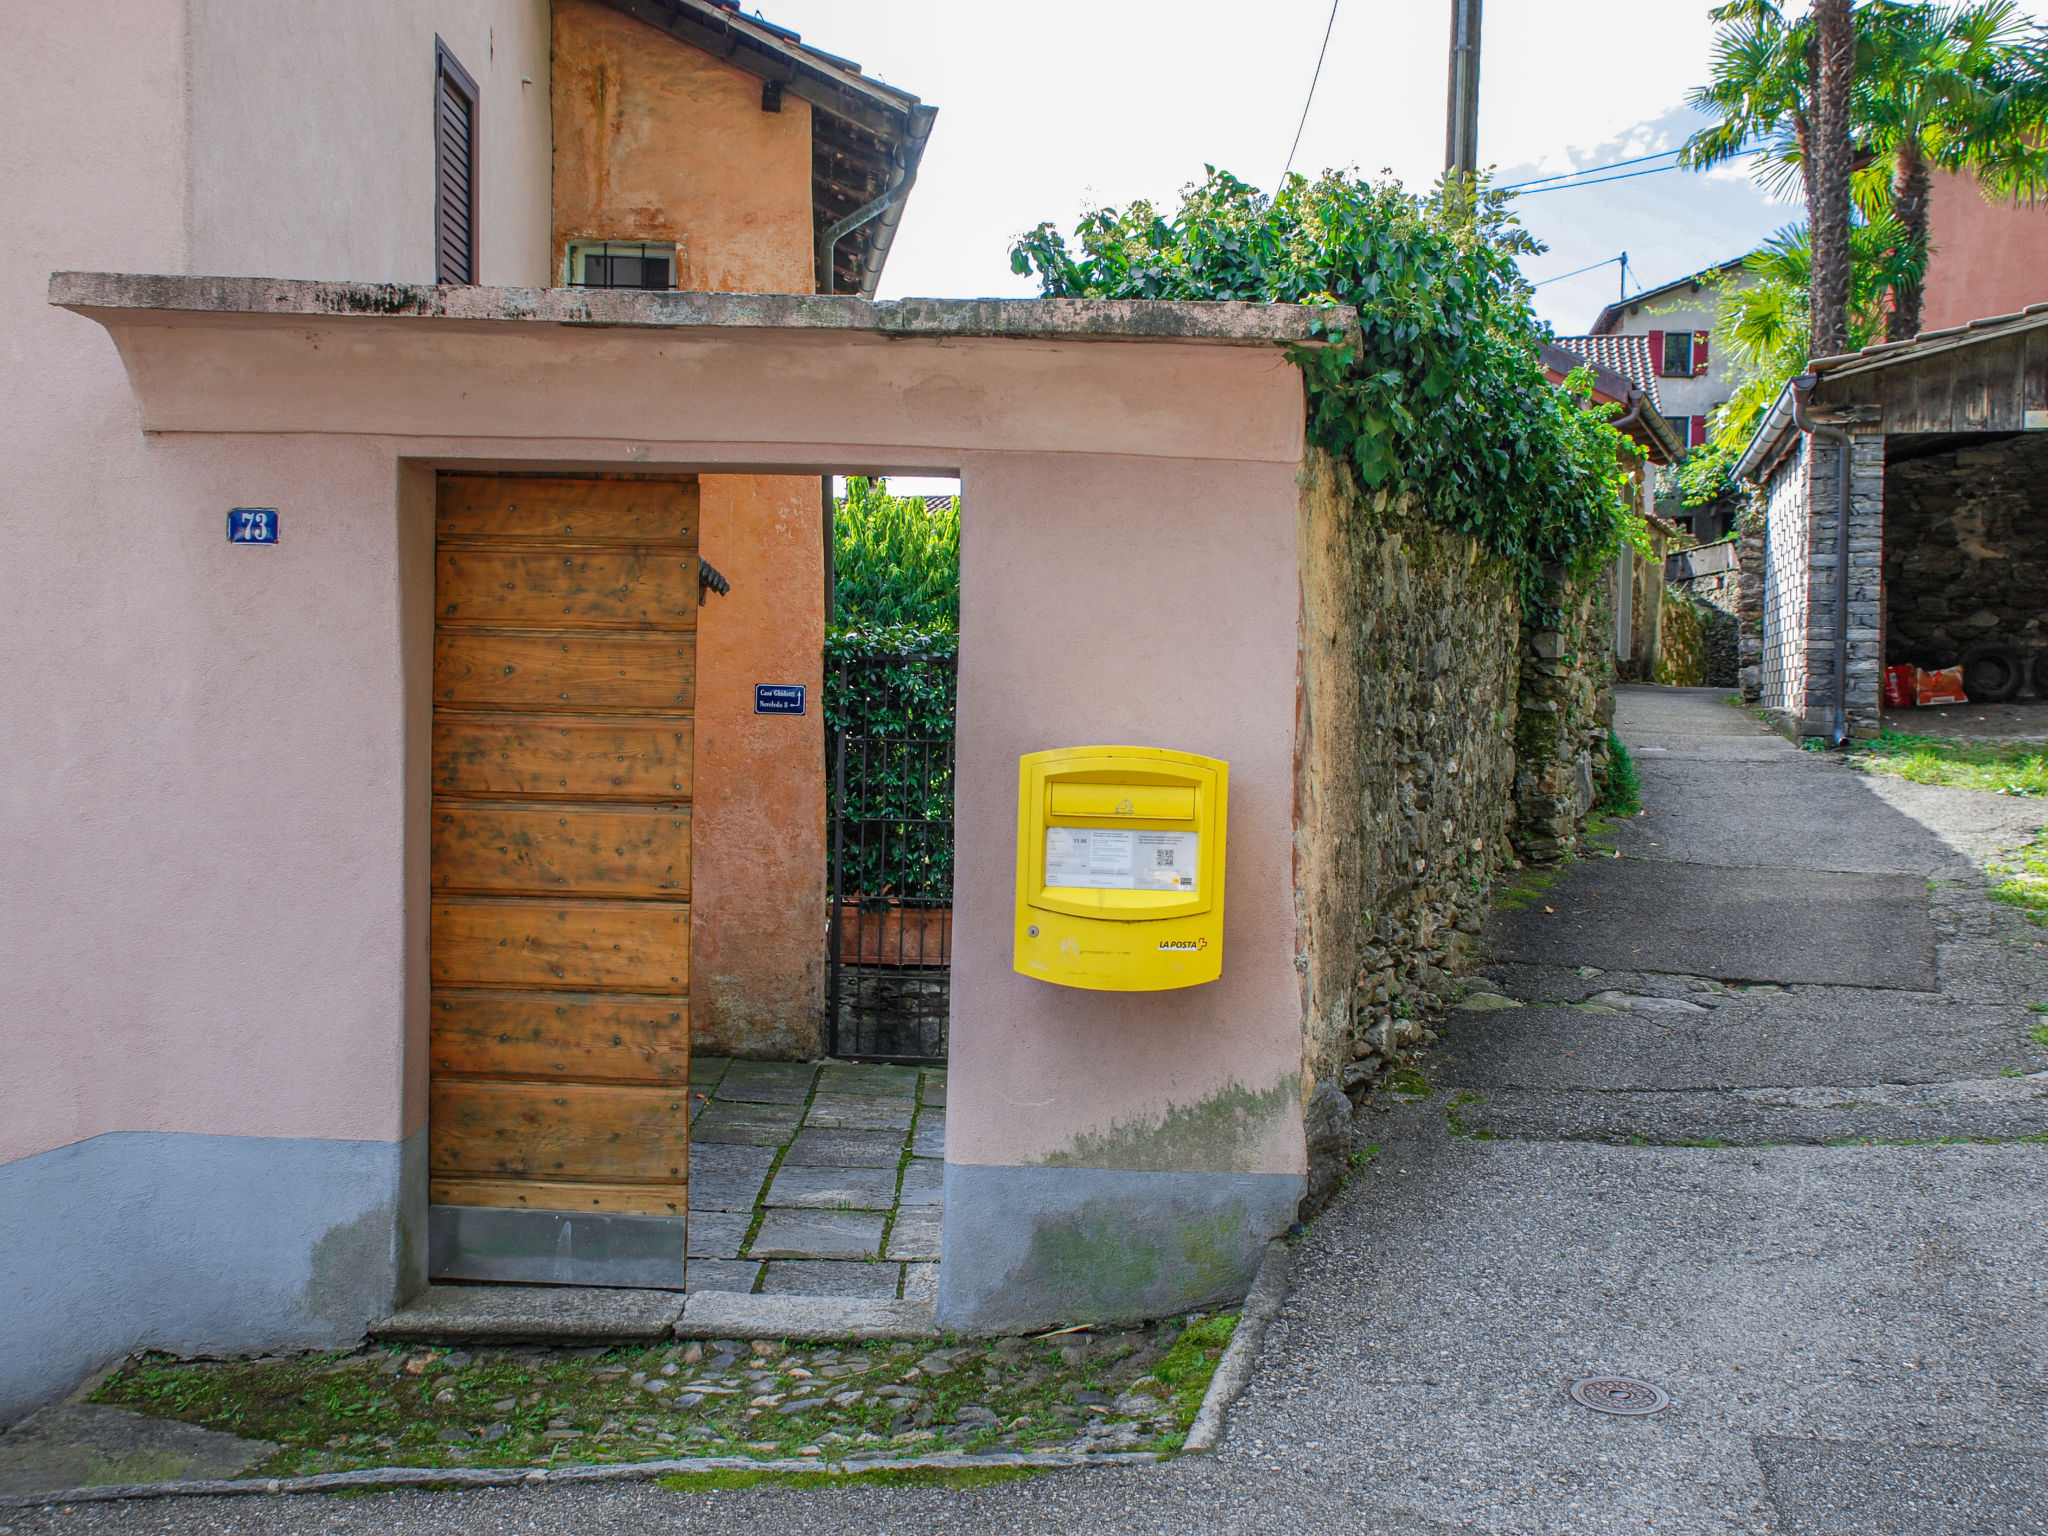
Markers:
point(1802, 387)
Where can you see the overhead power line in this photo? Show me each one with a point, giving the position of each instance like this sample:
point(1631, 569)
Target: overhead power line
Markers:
point(1573, 186)
point(1590, 170)
point(1595, 267)
point(1321, 53)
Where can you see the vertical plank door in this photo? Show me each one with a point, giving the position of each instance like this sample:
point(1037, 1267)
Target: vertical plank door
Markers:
point(565, 617)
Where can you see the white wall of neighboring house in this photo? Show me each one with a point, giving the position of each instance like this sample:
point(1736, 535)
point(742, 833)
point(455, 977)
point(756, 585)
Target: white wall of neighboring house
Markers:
point(1689, 308)
point(311, 137)
point(206, 137)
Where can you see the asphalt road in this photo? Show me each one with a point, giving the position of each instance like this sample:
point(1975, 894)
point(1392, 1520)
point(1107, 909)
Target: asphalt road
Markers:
point(1847, 1307)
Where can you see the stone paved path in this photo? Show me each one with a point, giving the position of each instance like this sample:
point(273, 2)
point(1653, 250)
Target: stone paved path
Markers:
point(810, 1180)
point(1809, 1211)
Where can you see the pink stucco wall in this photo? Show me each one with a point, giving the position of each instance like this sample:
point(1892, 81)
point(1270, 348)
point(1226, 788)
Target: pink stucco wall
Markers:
point(203, 747)
point(1988, 259)
point(1119, 600)
point(228, 762)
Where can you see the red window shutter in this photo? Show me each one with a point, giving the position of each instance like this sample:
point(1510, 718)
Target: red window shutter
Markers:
point(1696, 434)
point(1657, 353)
point(1699, 352)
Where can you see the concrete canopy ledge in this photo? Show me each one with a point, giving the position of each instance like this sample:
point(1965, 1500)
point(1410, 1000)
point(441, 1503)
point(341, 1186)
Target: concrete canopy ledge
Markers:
point(730, 1315)
point(530, 1314)
point(1169, 320)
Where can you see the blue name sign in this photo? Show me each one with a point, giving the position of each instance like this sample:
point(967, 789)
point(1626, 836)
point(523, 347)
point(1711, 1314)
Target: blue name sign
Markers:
point(252, 525)
point(778, 698)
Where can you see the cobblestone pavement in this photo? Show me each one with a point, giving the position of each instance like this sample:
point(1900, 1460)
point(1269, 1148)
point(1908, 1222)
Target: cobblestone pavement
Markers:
point(811, 1179)
point(1811, 1213)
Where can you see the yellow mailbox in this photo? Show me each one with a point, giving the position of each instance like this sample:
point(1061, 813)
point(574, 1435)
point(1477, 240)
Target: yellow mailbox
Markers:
point(1120, 868)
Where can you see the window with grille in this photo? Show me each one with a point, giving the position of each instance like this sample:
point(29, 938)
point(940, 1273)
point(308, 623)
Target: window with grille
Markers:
point(455, 99)
point(621, 264)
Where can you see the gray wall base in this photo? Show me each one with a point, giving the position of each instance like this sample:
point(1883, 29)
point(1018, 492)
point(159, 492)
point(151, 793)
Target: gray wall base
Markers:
point(473, 1242)
point(1036, 1247)
point(197, 1245)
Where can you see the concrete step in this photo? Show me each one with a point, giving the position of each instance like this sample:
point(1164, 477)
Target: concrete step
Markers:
point(586, 1315)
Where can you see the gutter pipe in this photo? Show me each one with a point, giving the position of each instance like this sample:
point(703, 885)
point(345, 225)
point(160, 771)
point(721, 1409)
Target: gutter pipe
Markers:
point(1802, 390)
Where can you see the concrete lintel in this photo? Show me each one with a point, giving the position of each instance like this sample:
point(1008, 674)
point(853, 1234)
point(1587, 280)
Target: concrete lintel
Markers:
point(1108, 319)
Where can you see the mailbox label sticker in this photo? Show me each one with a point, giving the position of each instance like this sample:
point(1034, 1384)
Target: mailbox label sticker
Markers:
point(1097, 859)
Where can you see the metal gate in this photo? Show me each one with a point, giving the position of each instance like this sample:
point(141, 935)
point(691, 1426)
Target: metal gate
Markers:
point(890, 946)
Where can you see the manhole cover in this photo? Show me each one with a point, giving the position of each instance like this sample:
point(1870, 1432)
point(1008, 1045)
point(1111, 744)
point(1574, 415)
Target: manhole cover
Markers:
point(1618, 1394)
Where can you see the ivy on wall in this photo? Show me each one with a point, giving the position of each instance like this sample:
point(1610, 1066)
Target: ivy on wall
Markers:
point(1438, 393)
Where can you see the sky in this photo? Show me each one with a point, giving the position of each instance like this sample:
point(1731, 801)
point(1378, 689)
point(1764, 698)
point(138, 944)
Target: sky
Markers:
point(1046, 111)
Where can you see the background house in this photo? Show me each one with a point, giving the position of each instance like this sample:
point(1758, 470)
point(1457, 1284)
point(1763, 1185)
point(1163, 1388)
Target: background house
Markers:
point(1675, 322)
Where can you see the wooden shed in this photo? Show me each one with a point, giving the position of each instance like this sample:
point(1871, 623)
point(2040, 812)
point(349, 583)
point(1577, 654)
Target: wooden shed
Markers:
point(1938, 446)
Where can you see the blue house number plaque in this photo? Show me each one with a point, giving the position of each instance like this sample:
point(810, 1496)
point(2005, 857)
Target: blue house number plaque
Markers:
point(252, 525)
point(778, 698)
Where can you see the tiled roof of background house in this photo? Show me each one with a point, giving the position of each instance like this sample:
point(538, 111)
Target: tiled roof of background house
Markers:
point(1628, 356)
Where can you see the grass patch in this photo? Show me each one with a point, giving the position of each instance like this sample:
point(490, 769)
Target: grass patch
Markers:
point(1192, 1361)
point(1409, 1082)
point(2039, 1034)
point(1620, 787)
point(1102, 1389)
point(1456, 1121)
point(2002, 769)
point(2025, 882)
point(881, 1477)
point(1365, 1154)
point(1521, 891)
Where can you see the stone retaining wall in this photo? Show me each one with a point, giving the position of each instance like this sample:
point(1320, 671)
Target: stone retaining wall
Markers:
point(1436, 726)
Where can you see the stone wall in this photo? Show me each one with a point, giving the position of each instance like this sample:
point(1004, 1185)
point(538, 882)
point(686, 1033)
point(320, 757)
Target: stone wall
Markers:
point(1698, 649)
point(1750, 540)
point(1565, 708)
point(1434, 727)
point(1966, 555)
point(1405, 763)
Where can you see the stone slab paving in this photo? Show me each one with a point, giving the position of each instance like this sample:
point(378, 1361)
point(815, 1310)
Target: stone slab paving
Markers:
point(860, 1112)
point(834, 1189)
point(788, 1234)
point(721, 1275)
point(821, 1148)
point(802, 1174)
point(718, 1234)
point(755, 1125)
point(829, 1277)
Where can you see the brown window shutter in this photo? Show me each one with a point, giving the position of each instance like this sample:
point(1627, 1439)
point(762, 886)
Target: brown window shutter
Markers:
point(455, 98)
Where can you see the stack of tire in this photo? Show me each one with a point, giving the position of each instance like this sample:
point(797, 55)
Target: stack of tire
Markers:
point(1992, 674)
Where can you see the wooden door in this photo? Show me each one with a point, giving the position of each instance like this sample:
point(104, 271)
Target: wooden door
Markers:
point(565, 617)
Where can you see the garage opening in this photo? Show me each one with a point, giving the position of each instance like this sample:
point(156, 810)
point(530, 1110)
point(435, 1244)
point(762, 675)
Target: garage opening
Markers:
point(1966, 568)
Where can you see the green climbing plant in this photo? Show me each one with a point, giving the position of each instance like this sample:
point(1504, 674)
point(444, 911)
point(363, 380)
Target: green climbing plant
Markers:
point(1437, 393)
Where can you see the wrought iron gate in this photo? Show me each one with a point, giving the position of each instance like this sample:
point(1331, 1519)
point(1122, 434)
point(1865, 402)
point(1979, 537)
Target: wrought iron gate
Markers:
point(889, 720)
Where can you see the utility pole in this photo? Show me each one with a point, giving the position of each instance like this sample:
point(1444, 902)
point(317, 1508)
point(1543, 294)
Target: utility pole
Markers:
point(1461, 136)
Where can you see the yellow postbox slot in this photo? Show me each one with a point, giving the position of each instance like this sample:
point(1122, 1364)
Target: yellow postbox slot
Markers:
point(1120, 858)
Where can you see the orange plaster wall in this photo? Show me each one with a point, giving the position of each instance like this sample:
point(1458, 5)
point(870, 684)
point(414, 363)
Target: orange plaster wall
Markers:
point(758, 871)
point(657, 140)
point(1989, 258)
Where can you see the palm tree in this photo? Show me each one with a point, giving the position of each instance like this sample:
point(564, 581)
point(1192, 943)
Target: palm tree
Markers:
point(1937, 87)
point(1960, 88)
point(1780, 90)
point(1827, 205)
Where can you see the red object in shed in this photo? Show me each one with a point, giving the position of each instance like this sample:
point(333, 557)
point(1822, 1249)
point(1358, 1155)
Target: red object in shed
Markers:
point(1901, 690)
point(1941, 687)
